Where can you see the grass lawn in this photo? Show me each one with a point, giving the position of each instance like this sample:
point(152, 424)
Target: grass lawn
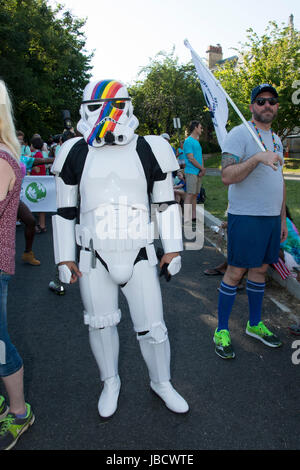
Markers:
point(291, 165)
point(214, 161)
point(216, 197)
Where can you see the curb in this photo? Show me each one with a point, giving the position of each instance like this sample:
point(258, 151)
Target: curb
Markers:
point(290, 284)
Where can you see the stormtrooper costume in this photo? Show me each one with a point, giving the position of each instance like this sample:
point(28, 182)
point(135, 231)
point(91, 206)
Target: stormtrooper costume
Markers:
point(104, 184)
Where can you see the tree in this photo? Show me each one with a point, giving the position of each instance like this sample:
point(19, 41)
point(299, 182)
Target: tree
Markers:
point(166, 90)
point(43, 62)
point(272, 58)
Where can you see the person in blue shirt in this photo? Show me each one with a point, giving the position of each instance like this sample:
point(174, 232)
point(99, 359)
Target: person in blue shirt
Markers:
point(180, 155)
point(167, 138)
point(194, 167)
point(25, 150)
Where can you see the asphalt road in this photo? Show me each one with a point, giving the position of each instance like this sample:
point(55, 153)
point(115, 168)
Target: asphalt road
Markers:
point(251, 402)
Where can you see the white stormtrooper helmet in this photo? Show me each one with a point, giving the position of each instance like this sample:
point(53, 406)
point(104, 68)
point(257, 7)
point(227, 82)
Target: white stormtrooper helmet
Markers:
point(106, 114)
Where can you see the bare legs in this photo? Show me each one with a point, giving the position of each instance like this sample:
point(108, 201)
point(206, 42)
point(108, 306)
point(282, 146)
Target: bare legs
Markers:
point(15, 390)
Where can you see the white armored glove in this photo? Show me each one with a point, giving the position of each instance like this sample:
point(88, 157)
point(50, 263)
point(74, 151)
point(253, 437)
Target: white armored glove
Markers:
point(169, 270)
point(64, 274)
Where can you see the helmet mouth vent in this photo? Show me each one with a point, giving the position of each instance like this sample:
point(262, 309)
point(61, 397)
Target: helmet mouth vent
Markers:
point(109, 138)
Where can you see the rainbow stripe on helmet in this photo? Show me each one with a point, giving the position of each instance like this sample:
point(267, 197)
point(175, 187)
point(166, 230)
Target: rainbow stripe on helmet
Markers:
point(105, 89)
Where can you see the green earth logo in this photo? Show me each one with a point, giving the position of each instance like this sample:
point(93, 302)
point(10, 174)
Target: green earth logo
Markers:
point(35, 192)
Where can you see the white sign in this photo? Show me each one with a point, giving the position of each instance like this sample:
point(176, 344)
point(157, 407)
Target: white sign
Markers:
point(39, 193)
point(177, 123)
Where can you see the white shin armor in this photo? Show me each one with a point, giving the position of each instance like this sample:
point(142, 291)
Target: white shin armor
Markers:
point(104, 343)
point(157, 356)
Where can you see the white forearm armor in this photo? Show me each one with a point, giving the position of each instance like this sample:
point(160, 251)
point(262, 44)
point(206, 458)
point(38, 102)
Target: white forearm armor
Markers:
point(167, 215)
point(63, 223)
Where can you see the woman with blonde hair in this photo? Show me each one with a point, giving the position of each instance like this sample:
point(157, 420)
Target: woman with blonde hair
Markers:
point(15, 420)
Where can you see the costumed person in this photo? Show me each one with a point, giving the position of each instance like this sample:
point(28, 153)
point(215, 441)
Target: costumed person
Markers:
point(115, 235)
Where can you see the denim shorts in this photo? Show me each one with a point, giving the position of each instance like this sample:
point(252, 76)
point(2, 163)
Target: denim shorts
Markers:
point(10, 360)
point(253, 240)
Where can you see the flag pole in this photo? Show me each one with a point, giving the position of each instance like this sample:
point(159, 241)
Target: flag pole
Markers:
point(254, 135)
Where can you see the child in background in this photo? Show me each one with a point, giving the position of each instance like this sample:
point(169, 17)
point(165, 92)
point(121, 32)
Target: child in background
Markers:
point(39, 170)
point(179, 187)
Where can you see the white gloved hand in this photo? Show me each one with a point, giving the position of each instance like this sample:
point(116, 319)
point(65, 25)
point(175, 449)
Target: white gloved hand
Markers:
point(64, 273)
point(175, 265)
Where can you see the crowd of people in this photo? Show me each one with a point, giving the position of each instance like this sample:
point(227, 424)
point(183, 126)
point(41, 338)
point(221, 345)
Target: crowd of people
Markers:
point(36, 159)
point(257, 227)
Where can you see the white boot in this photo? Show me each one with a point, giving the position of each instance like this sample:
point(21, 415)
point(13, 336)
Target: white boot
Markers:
point(157, 358)
point(168, 394)
point(108, 400)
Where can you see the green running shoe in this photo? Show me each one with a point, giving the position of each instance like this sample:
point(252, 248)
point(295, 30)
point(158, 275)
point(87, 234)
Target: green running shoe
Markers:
point(262, 333)
point(223, 344)
point(3, 408)
point(12, 427)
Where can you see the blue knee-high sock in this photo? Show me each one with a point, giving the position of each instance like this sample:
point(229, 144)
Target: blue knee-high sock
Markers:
point(226, 300)
point(255, 291)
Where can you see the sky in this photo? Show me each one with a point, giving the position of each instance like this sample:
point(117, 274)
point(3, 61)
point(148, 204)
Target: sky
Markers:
point(125, 35)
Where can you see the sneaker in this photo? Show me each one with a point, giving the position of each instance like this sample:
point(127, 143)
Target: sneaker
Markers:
point(223, 344)
point(3, 408)
point(28, 257)
point(262, 333)
point(12, 427)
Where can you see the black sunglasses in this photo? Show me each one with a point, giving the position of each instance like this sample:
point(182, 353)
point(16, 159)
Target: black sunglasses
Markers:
point(262, 101)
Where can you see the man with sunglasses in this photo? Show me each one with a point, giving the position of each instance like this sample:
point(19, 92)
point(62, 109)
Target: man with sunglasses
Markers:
point(256, 216)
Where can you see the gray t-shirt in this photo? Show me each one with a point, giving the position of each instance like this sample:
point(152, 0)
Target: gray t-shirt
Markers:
point(261, 192)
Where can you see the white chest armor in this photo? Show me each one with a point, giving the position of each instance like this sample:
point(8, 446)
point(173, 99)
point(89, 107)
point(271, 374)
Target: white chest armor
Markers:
point(112, 173)
point(114, 205)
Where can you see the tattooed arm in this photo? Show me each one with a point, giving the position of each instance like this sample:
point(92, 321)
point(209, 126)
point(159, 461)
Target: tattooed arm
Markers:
point(234, 171)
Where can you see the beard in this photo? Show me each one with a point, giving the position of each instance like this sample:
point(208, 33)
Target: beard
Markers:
point(265, 116)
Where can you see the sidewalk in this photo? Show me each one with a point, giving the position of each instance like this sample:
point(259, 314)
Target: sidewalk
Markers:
point(290, 283)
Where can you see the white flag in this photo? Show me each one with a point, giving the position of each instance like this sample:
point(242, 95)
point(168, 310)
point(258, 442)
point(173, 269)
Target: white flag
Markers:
point(213, 94)
point(39, 193)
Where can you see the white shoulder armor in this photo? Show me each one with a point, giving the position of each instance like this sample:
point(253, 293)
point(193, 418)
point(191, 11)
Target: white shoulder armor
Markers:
point(163, 153)
point(62, 155)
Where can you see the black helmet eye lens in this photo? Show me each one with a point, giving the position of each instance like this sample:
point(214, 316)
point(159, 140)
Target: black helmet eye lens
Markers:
point(119, 104)
point(94, 107)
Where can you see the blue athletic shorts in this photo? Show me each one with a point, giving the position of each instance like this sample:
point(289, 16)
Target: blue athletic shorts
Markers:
point(253, 240)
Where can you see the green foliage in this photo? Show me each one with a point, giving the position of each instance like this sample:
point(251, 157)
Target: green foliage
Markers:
point(217, 197)
point(43, 62)
point(166, 90)
point(272, 58)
